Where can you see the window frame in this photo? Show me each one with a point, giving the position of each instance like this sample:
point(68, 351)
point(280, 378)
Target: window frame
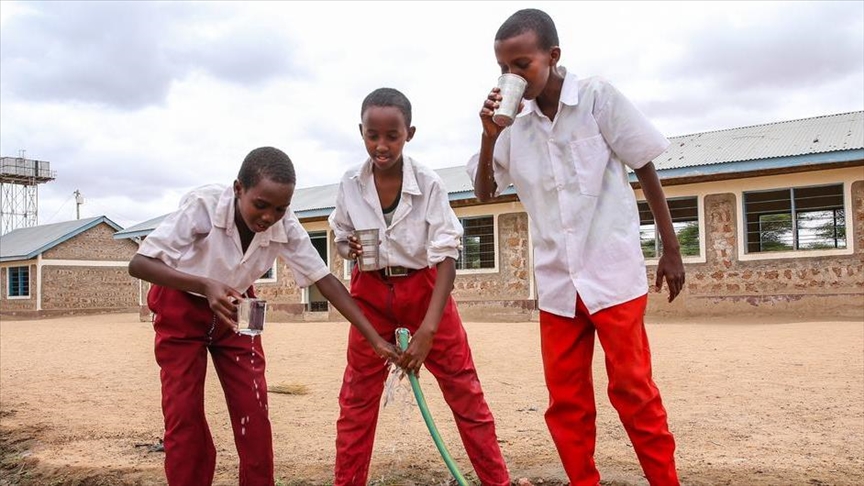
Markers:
point(495, 252)
point(9, 283)
point(700, 257)
point(744, 254)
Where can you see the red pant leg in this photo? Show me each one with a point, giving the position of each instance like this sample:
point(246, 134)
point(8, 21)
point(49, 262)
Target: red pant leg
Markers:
point(240, 363)
point(567, 346)
point(182, 323)
point(362, 383)
point(451, 363)
point(632, 391)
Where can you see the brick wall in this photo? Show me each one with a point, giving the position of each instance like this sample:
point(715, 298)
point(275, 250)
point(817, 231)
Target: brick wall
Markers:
point(17, 306)
point(97, 243)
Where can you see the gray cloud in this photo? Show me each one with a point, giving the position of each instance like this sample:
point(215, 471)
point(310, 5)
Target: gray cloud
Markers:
point(794, 51)
point(127, 54)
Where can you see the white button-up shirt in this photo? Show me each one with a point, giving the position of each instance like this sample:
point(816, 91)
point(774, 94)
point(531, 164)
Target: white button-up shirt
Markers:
point(202, 239)
point(424, 230)
point(571, 177)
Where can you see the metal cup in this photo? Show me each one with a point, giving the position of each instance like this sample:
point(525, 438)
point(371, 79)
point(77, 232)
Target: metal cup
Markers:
point(250, 316)
point(512, 89)
point(368, 239)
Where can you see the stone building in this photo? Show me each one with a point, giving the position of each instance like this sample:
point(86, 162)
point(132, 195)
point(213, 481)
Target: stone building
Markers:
point(770, 217)
point(66, 268)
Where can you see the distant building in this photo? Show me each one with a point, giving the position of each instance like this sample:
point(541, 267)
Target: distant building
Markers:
point(66, 268)
point(770, 217)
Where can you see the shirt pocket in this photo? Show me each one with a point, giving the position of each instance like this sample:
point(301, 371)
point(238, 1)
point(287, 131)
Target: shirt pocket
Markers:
point(590, 157)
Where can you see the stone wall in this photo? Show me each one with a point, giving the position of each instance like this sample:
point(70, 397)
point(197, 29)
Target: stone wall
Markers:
point(505, 295)
point(799, 287)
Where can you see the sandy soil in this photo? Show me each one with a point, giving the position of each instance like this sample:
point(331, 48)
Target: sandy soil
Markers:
point(752, 403)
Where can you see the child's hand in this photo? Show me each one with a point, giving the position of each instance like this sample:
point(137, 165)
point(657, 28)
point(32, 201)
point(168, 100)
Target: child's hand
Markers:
point(355, 249)
point(223, 301)
point(386, 350)
point(490, 128)
point(670, 267)
point(413, 357)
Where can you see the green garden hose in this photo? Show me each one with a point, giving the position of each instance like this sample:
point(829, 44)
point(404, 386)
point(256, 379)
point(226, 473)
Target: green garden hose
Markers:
point(402, 336)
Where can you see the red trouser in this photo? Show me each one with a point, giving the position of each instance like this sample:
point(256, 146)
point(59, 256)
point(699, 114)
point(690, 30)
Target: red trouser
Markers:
point(185, 330)
point(567, 345)
point(395, 302)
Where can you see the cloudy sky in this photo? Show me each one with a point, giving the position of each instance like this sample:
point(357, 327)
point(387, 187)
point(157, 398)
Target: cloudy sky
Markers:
point(134, 103)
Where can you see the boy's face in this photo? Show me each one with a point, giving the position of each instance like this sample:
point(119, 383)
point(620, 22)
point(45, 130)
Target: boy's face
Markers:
point(385, 132)
point(262, 205)
point(523, 56)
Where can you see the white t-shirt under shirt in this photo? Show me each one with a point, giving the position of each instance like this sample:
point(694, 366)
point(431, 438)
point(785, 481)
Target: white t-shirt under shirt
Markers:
point(202, 239)
point(423, 230)
point(570, 174)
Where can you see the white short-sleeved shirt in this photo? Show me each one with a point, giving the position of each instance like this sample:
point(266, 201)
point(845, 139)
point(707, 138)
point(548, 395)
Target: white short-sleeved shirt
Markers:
point(201, 239)
point(570, 174)
point(424, 229)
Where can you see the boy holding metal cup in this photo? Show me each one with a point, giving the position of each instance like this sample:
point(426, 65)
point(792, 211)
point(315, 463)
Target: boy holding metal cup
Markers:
point(567, 154)
point(201, 260)
point(419, 238)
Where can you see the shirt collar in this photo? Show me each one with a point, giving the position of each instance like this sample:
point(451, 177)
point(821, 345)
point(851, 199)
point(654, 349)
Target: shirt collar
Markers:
point(409, 179)
point(569, 94)
point(223, 218)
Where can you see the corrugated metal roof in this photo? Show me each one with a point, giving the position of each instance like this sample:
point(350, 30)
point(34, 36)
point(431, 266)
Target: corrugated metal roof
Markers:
point(789, 143)
point(26, 243)
point(821, 134)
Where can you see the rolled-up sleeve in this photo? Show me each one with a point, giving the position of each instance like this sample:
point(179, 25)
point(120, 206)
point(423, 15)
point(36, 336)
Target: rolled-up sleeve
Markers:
point(444, 228)
point(500, 164)
point(340, 220)
point(175, 235)
point(300, 255)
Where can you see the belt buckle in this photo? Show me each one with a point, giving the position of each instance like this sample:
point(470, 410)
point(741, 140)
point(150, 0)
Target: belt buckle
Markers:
point(396, 271)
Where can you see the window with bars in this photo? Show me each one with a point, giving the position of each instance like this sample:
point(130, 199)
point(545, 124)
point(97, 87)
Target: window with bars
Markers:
point(269, 275)
point(478, 244)
point(317, 302)
point(797, 218)
point(685, 220)
point(18, 281)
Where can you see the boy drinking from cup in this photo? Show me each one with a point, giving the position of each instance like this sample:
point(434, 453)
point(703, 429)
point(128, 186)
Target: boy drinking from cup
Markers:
point(566, 154)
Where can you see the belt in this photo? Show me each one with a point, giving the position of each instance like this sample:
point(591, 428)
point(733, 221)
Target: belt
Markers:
point(396, 271)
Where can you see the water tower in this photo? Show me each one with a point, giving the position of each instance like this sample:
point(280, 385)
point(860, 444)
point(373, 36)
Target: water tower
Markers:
point(19, 191)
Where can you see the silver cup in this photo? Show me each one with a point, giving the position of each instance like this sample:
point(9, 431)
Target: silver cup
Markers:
point(512, 89)
point(250, 316)
point(368, 239)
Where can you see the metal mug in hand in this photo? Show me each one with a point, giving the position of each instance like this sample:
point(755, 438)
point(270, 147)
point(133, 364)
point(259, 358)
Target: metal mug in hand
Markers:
point(512, 89)
point(368, 239)
point(250, 316)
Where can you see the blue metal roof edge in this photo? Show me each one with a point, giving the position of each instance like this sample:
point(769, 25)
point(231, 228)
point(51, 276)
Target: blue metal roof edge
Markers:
point(758, 164)
point(64, 238)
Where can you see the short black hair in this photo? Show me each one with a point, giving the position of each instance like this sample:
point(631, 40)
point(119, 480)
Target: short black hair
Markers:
point(531, 19)
point(268, 162)
point(388, 97)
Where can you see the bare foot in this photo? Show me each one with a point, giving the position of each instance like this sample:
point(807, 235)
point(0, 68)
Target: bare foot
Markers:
point(523, 482)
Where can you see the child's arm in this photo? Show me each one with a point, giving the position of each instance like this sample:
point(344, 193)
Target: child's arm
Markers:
point(670, 265)
point(484, 180)
point(219, 296)
point(333, 290)
point(421, 342)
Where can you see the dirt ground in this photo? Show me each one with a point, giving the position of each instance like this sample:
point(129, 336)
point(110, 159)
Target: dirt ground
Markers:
point(755, 403)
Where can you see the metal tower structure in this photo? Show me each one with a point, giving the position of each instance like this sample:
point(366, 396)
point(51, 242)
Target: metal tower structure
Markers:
point(19, 191)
